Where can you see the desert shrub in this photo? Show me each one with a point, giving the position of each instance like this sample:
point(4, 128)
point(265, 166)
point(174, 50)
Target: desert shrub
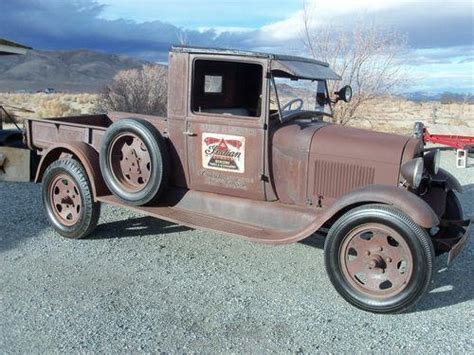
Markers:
point(141, 90)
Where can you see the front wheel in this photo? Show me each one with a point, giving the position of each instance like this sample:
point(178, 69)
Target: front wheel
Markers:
point(378, 259)
point(68, 200)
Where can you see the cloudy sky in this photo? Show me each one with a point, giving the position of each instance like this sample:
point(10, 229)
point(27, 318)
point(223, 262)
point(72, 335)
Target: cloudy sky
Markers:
point(440, 33)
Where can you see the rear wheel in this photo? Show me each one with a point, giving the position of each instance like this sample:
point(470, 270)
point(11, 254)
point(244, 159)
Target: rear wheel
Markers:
point(68, 200)
point(378, 259)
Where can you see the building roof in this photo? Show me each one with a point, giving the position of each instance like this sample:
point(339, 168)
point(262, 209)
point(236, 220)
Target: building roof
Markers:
point(282, 65)
point(9, 47)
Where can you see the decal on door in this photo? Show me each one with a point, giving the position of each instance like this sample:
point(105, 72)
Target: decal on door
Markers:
point(223, 152)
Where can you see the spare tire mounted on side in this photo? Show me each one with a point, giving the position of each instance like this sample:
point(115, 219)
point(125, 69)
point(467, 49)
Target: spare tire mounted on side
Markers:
point(134, 161)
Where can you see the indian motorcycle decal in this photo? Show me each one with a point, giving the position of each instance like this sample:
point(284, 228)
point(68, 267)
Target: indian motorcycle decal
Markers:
point(223, 152)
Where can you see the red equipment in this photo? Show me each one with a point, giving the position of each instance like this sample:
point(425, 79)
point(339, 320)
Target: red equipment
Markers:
point(456, 137)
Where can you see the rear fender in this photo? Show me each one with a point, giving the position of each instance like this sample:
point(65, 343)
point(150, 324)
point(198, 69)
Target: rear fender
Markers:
point(409, 203)
point(88, 157)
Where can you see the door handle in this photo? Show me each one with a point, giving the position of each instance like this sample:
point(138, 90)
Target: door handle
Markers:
point(190, 134)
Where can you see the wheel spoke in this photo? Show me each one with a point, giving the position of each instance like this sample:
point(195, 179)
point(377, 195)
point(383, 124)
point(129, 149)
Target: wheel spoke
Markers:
point(374, 280)
point(359, 244)
point(57, 198)
point(394, 276)
point(356, 265)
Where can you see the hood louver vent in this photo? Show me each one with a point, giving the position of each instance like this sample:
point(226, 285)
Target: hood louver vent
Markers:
point(333, 179)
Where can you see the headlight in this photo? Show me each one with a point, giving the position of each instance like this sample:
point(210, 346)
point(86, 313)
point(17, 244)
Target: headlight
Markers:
point(432, 161)
point(412, 172)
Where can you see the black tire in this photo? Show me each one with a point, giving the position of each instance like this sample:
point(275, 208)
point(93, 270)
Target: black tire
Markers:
point(454, 209)
point(87, 216)
point(157, 153)
point(416, 240)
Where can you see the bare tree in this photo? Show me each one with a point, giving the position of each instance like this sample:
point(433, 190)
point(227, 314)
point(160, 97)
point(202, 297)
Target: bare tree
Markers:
point(182, 37)
point(137, 90)
point(365, 55)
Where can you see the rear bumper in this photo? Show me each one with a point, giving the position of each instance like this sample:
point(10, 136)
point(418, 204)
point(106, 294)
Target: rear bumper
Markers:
point(452, 237)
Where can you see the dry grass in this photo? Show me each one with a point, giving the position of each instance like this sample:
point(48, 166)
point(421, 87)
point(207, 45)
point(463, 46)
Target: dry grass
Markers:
point(49, 105)
point(387, 114)
point(399, 116)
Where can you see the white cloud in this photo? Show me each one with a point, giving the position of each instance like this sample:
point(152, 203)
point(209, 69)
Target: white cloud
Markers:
point(390, 12)
point(322, 12)
point(223, 29)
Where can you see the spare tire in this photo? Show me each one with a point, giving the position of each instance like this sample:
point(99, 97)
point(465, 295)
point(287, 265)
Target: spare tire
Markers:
point(134, 161)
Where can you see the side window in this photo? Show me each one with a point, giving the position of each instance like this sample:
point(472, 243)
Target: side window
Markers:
point(213, 84)
point(227, 88)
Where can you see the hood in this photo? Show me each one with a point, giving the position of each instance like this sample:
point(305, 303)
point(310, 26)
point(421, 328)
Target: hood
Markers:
point(317, 161)
point(359, 144)
point(342, 159)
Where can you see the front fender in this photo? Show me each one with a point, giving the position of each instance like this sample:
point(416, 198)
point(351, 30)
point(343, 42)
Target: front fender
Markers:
point(451, 182)
point(413, 206)
point(409, 203)
point(83, 152)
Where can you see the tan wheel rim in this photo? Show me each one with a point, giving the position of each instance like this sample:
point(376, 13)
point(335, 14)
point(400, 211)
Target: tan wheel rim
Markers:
point(65, 200)
point(376, 260)
point(130, 162)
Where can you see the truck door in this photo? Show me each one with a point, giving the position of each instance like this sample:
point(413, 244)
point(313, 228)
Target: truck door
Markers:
point(225, 126)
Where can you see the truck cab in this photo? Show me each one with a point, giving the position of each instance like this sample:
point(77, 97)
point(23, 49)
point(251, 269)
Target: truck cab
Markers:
point(224, 112)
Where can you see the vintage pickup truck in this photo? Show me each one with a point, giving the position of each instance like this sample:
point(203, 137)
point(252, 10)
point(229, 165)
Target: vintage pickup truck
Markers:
point(238, 154)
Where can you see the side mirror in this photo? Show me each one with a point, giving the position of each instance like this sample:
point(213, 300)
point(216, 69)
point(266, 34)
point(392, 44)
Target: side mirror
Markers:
point(345, 94)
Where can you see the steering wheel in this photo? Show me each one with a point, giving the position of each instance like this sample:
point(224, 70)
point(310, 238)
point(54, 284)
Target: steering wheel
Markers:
point(288, 105)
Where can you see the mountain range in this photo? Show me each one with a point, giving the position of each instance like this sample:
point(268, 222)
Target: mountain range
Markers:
point(87, 71)
point(65, 71)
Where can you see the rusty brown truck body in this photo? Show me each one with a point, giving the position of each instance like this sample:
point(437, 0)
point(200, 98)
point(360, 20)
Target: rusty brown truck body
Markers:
point(232, 156)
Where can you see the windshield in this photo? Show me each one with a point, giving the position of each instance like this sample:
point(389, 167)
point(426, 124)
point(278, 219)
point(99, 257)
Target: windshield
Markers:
point(289, 97)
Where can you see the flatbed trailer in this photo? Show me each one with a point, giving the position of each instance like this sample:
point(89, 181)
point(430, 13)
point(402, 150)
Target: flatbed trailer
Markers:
point(456, 137)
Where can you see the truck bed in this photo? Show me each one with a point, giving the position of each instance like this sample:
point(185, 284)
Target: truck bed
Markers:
point(43, 133)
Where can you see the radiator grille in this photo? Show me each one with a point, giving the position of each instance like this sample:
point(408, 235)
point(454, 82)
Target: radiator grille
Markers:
point(333, 179)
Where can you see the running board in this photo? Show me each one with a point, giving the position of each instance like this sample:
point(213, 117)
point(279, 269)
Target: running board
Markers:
point(267, 222)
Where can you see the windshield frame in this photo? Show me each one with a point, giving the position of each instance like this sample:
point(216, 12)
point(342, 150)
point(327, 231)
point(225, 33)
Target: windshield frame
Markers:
point(280, 112)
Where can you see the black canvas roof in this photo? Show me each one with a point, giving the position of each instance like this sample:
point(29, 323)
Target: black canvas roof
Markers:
point(284, 65)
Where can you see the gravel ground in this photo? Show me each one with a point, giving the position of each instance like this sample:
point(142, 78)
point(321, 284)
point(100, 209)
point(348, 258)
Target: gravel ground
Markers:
point(144, 285)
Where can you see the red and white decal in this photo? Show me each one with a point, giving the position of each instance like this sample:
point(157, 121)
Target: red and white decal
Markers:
point(223, 152)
